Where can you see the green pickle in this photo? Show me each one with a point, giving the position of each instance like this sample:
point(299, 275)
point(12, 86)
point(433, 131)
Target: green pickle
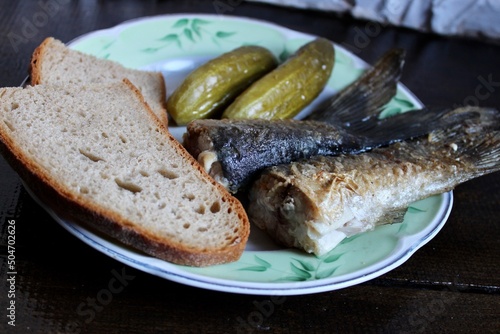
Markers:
point(285, 91)
point(210, 88)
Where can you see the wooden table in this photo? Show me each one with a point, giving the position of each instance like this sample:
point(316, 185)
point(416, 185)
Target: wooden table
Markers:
point(450, 285)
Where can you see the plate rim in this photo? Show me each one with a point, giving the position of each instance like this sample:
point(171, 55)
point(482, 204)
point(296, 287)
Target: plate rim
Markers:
point(246, 287)
point(250, 287)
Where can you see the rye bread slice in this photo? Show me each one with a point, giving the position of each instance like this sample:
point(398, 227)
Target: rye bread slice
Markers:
point(96, 154)
point(53, 62)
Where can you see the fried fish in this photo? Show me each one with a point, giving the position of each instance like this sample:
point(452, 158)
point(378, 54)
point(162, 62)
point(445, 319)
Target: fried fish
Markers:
point(234, 151)
point(316, 203)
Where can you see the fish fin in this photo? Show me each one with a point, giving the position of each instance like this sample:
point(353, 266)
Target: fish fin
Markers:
point(416, 123)
point(364, 99)
point(486, 155)
point(466, 121)
point(392, 217)
point(476, 139)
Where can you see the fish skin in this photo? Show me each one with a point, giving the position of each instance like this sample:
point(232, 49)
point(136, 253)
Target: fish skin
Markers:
point(314, 204)
point(245, 147)
point(226, 148)
point(240, 149)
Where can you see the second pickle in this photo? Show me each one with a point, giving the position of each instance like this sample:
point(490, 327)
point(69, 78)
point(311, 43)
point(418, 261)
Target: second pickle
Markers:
point(286, 90)
point(213, 86)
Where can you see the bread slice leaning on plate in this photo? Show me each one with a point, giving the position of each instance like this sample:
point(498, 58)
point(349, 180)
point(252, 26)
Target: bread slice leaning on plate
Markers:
point(53, 62)
point(96, 154)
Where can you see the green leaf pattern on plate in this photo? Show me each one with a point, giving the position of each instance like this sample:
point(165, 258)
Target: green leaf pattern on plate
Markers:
point(413, 209)
point(300, 269)
point(352, 254)
point(262, 265)
point(141, 44)
point(404, 225)
point(189, 31)
point(309, 267)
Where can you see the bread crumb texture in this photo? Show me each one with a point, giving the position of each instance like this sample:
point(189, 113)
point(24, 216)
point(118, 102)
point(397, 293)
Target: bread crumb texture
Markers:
point(54, 63)
point(119, 160)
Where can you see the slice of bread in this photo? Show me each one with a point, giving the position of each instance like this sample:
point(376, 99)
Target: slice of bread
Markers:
point(96, 154)
point(53, 62)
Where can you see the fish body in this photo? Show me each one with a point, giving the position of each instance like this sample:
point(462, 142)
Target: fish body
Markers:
point(315, 204)
point(235, 151)
point(232, 151)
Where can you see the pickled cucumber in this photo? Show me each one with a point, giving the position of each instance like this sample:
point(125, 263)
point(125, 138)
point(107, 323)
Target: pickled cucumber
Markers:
point(286, 90)
point(213, 86)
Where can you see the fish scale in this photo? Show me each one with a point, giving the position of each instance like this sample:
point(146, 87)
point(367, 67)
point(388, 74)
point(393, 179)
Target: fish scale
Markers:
point(235, 151)
point(355, 193)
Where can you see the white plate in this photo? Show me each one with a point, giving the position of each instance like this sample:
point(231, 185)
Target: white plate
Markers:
point(176, 44)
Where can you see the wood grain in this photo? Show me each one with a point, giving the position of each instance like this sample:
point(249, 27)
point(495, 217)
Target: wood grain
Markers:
point(451, 285)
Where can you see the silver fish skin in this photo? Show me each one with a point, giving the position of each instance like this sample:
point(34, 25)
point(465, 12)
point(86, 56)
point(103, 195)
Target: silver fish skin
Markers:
point(314, 204)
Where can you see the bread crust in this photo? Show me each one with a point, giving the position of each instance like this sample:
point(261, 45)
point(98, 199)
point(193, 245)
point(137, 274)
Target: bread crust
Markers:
point(67, 207)
point(164, 116)
point(72, 207)
point(35, 64)
point(35, 73)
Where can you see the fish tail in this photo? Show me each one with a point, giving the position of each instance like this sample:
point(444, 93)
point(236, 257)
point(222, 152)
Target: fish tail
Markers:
point(486, 155)
point(364, 99)
point(417, 123)
point(476, 139)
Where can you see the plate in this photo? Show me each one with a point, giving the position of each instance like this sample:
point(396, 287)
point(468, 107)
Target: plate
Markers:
point(175, 45)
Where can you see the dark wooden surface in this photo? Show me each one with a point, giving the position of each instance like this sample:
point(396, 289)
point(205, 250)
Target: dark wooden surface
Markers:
point(451, 285)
